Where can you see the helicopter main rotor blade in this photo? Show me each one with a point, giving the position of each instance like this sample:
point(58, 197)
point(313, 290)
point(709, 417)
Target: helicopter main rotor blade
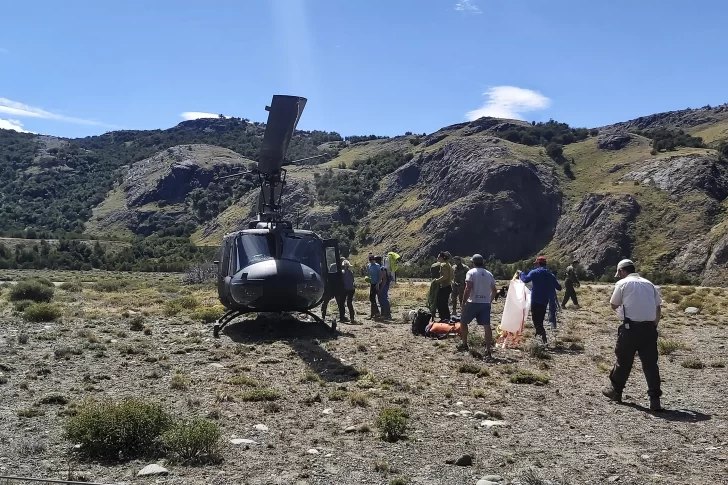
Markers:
point(283, 115)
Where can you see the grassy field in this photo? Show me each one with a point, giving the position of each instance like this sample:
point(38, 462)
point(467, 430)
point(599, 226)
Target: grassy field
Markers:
point(373, 404)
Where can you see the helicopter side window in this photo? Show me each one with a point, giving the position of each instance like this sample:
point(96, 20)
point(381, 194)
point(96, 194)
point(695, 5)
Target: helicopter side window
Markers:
point(306, 250)
point(253, 248)
point(331, 259)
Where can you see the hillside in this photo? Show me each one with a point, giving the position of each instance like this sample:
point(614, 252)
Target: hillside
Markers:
point(653, 188)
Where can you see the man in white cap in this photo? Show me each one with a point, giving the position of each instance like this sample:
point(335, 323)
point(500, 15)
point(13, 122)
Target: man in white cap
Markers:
point(637, 301)
point(479, 292)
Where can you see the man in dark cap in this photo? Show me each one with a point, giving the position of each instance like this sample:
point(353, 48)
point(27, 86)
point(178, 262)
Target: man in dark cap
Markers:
point(543, 284)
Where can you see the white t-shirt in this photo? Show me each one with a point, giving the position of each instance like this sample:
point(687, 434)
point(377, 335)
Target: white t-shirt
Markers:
point(483, 281)
point(639, 296)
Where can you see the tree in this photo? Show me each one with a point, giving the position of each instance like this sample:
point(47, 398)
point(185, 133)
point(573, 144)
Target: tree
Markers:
point(554, 150)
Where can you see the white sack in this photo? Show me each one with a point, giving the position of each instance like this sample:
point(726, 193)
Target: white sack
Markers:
point(516, 308)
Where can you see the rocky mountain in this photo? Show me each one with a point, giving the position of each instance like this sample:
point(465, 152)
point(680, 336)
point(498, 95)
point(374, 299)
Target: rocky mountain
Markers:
point(653, 188)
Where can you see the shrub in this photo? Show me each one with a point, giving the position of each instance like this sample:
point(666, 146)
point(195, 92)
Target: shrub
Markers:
point(179, 381)
point(693, 364)
point(667, 347)
point(528, 377)
point(393, 423)
point(358, 399)
point(187, 302)
point(32, 290)
point(260, 395)
point(21, 305)
point(196, 440)
point(114, 430)
point(172, 308)
point(468, 368)
point(42, 312)
point(208, 314)
point(54, 398)
point(110, 286)
point(717, 364)
point(71, 287)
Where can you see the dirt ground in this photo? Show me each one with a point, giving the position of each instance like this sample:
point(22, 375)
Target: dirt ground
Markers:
point(562, 432)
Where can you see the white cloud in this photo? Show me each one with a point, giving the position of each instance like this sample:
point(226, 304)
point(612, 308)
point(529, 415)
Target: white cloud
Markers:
point(13, 125)
point(467, 6)
point(509, 102)
point(21, 110)
point(196, 115)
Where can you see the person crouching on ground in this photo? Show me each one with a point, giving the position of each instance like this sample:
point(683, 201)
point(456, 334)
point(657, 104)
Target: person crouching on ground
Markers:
point(458, 283)
point(543, 285)
point(445, 286)
point(373, 271)
point(383, 289)
point(349, 288)
point(480, 291)
point(638, 304)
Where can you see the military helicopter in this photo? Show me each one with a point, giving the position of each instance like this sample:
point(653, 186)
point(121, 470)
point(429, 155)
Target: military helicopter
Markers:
point(270, 267)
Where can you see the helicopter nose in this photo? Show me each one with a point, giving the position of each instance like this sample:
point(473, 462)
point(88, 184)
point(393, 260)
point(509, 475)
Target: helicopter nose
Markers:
point(277, 286)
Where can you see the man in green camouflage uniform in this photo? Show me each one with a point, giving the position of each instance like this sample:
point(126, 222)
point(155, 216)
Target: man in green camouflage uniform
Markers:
point(571, 283)
point(458, 283)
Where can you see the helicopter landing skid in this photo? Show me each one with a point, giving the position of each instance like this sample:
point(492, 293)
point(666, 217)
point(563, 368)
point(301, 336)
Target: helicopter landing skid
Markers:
point(231, 315)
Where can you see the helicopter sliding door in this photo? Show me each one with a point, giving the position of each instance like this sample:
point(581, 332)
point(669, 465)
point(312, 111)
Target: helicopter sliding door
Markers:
point(334, 277)
point(224, 271)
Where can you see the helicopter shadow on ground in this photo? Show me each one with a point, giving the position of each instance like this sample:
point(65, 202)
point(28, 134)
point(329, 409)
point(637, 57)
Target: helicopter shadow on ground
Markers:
point(304, 337)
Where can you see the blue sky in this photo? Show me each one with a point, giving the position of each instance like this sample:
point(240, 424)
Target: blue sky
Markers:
point(83, 67)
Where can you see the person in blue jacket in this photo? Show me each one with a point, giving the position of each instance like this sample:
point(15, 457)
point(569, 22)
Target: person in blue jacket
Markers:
point(543, 285)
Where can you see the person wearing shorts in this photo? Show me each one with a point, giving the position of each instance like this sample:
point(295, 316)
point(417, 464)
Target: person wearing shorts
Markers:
point(480, 291)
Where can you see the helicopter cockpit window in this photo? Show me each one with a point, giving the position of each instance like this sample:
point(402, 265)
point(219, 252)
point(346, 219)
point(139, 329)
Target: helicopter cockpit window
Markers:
point(304, 249)
point(253, 248)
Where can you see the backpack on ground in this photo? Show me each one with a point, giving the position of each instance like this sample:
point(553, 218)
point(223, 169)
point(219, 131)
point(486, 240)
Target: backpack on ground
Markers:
point(420, 319)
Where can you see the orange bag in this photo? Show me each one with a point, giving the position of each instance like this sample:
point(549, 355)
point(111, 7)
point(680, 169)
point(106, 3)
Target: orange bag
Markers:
point(442, 329)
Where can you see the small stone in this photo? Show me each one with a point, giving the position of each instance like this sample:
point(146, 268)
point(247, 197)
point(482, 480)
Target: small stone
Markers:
point(481, 415)
point(465, 460)
point(261, 427)
point(350, 429)
point(242, 441)
point(451, 414)
point(486, 482)
point(459, 403)
point(313, 451)
point(645, 457)
point(613, 478)
point(152, 470)
point(465, 412)
point(493, 478)
point(691, 310)
point(217, 366)
point(489, 423)
point(327, 411)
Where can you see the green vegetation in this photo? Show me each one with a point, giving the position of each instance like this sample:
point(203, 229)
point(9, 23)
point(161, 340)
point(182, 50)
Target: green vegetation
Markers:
point(208, 314)
point(42, 312)
point(664, 139)
point(393, 424)
point(528, 377)
point(667, 346)
point(193, 441)
point(693, 364)
point(260, 395)
point(32, 290)
point(113, 430)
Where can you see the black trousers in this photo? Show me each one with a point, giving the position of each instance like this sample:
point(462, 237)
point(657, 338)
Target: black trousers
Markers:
point(538, 314)
point(443, 300)
point(339, 302)
point(570, 293)
point(350, 303)
point(640, 338)
point(373, 299)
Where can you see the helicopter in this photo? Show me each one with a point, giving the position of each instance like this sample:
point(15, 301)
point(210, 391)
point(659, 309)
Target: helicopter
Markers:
point(270, 266)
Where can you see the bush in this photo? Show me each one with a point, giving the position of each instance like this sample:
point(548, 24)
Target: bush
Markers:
point(193, 441)
point(21, 305)
point(137, 323)
point(117, 430)
point(667, 347)
point(393, 423)
point(260, 395)
point(208, 314)
point(186, 302)
point(71, 287)
point(528, 377)
point(172, 308)
point(54, 398)
point(693, 364)
point(110, 286)
point(33, 290)
point(42, 312)
point(554, 150)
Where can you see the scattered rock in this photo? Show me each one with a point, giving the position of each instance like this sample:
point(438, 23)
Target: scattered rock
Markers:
point(459, 403)
point(242, 441)
point(613, 478)
point(452, 414)
point(613, 141)
point(691, 310)
point(327, 411)
point(465, 412)
point(492, 478)
point(465, 460)
point(152, 470)
point(489, 423)
point(351, 429)
point(486, 482)
point(313, 451)
point(480, 415)
point(261, 427)
point(217, 366)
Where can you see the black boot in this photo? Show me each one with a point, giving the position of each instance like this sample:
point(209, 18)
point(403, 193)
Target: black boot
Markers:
point(612, 394)
point(655, 404)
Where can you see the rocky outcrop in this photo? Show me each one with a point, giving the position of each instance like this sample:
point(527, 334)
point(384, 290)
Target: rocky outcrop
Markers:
point(716, 267)
point(680, 174)
point(596, 231)
point(674, 119)
point(472, 195)
point(613, 141)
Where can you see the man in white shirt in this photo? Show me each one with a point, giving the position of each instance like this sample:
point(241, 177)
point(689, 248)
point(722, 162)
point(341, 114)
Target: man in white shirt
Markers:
point(637, 302)
point(479, 292)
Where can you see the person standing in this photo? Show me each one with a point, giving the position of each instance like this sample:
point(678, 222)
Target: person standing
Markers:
point(349, 288)
point(544, 284)
point(335, 293)
point(638, 303)
point(571, 282)
point(383, 289)
point(478, 294)
point(458, 283)
point(374, 273)
point(444, 282)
